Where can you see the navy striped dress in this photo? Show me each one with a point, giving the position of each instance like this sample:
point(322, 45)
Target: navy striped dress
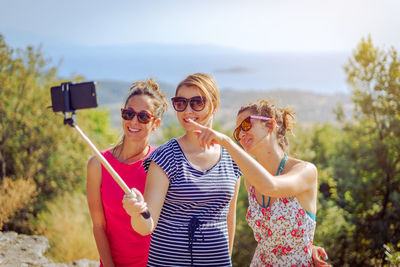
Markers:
point(192, 229)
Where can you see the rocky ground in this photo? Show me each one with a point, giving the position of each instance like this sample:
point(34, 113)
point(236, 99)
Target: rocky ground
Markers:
point(17, 250)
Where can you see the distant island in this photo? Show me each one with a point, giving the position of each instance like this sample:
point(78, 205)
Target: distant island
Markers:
point(233, 70)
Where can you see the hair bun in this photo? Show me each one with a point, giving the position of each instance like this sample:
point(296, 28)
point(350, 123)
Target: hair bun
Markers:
point(288, 118)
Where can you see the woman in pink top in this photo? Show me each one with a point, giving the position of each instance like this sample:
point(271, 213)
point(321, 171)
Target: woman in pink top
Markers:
point(117, 243)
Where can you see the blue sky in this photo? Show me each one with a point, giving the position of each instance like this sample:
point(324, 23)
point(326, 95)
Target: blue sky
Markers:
point(284, 25)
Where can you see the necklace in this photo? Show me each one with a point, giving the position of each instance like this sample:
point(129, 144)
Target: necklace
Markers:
point(146, 149)
point(278, 172)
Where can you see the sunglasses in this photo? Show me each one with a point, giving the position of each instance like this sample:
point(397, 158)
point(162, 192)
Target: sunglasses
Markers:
point(197, 103)
point(142, 116)
point(245, 125)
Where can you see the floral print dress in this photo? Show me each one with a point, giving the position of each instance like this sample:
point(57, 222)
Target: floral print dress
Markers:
point(284, 232)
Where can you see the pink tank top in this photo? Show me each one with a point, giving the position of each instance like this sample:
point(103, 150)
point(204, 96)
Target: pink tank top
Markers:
point(128, 248)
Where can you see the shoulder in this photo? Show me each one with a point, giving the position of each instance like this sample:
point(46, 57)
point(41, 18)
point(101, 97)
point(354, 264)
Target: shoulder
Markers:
point(93, 171)
point(304, 167)
point(227, 160)
point(225, 156)
point(166, 148)
point(93, 163)
point(163, 156)
point(171, 143)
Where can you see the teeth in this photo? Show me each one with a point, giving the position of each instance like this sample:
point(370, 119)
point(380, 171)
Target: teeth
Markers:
point(190, 119)
point(133, 130)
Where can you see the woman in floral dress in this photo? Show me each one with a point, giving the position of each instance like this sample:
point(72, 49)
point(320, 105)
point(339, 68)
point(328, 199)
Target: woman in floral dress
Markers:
point(282, 190)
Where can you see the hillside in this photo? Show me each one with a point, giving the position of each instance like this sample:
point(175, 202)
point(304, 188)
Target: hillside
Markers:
point(310, 107)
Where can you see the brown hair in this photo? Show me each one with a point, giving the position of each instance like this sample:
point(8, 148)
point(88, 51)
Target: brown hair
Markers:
point(151, 89)
point(284, 118)
point(206, 84)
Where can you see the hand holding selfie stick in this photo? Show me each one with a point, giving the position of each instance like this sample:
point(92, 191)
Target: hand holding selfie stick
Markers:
point(68, 96)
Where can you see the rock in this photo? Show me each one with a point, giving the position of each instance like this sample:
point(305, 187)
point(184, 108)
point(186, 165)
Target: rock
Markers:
point(18, 250)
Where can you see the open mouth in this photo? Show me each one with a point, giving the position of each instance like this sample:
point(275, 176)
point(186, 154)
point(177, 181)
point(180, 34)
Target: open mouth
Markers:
point(131, 130)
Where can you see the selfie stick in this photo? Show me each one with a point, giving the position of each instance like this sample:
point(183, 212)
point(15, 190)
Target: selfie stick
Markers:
point(71, 121)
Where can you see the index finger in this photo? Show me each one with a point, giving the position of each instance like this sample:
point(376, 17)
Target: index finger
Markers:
point(199, 126)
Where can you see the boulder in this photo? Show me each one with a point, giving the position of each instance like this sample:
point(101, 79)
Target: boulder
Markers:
point(18, 250)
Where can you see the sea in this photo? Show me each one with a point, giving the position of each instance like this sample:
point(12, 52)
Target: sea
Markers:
point(319, 72)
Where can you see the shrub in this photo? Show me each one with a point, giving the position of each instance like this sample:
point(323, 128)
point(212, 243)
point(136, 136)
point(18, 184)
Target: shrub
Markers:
point(67, 225)
point(14, 196)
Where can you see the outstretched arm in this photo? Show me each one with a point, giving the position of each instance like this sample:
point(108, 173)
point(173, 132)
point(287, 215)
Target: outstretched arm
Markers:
point(302, 177)
point(154, 193)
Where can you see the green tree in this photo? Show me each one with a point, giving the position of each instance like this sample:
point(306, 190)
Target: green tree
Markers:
point(34, 143)
point(317, 144)
point(366, 166)
point(392, 256)
point(244, 243)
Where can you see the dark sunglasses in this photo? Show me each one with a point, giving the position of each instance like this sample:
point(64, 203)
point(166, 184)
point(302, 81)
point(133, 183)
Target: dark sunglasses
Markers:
point(197, 103)
point(245, 125)
point(142, 116)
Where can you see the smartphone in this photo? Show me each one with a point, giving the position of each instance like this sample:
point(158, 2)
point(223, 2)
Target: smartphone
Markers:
point(77, 96)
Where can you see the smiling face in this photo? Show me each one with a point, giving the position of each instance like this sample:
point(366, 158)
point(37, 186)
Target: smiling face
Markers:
point(133, 129)
point(202, 117)
point(251, 139)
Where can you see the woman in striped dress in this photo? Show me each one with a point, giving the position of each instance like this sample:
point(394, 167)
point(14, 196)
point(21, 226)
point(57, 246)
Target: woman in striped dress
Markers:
point(191, 192)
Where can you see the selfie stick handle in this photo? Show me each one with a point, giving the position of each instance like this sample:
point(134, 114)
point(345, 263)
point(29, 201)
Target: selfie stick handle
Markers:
point(110, 169)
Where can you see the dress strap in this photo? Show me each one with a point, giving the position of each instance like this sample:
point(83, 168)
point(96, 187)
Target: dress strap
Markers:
point(281, 165)
point(269, 200)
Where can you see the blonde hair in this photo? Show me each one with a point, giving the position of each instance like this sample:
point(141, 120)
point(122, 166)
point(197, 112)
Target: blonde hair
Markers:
point(206, 84)
point(284, 118)
point(151, 89)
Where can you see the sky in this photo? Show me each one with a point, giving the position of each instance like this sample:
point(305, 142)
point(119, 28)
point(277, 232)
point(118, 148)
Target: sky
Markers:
point(250, 25)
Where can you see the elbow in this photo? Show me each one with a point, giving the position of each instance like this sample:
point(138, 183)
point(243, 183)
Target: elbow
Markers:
point(145, 227)
point(271, 189)
point(143, 232)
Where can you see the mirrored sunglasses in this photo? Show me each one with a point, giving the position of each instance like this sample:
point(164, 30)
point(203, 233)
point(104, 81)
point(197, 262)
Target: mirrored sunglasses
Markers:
point(245, 125)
